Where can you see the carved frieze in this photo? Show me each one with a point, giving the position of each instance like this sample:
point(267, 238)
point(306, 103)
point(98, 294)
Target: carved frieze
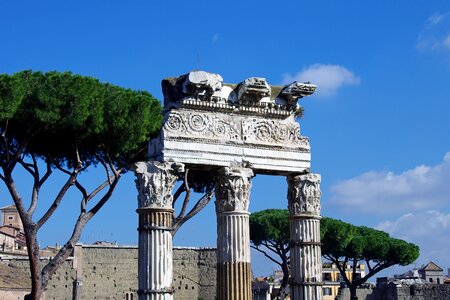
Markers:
point(155, 181)
point(253, 131)
point(201, 125)
point(273, 132)
point(304, 194)
point(233, 189)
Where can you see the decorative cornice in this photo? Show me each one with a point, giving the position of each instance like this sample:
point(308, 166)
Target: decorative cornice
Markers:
point(201, 90)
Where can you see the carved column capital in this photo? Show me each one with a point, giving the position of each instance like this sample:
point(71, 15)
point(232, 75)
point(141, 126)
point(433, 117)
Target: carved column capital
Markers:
point(155, 181)
point(233, 189)
point(304, 194)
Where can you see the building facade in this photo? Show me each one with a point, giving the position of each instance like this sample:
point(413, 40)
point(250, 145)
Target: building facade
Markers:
point(332, 278)
point(432, 273)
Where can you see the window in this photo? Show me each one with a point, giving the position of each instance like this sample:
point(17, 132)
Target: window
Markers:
point(10, 217)
point(326, 276)
point(327, 291)
point(438, 281)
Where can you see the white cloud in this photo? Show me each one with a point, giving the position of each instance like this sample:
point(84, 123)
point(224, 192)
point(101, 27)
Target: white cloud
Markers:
point(435, 19)
point(384, 193)
point(446, 42)
point(430, 230)
point(436, 33)
point(328, 78)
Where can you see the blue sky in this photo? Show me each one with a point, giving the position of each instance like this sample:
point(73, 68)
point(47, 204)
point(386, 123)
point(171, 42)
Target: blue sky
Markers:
point(379, 124)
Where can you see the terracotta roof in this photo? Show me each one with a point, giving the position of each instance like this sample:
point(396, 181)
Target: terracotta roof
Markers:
point(431, 266)
point(8, 207)
point(14, 278)
point(7, 234)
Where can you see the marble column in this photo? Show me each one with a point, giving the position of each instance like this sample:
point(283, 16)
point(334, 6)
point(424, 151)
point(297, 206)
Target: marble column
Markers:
point(306, 262)
point(155, 181)
point(234, 278)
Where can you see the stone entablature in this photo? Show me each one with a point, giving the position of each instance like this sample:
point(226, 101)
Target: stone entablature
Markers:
point(208, 123)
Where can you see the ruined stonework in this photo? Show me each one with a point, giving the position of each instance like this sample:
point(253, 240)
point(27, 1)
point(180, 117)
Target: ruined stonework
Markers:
point(305, 247)
point(209, 123)
point(233, 234)
point(110, 272)
point(233, 131)
point(405, 292)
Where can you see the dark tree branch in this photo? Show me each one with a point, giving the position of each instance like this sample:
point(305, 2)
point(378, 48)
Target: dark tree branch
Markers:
point(62, 169)
point(368, 265)
point(70, 181)
point(266, 255)
point(82, 220)
point(187, 196)
point(374, 271)
point(177, 194)
point(20, 150)
point(47, 174)
point(272, 248)
point(36, 185)
point(28, 167)
point(111, 166)
point(5, 141)
point(105, 166)
point(85, 195)
point(342, 269)
point(201, 203)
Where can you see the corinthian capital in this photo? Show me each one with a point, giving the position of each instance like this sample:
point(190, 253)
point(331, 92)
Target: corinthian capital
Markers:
point(233, 189)
point(304, 194)
point(155, 181)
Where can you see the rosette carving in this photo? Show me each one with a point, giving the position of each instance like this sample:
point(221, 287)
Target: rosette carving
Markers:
point(233, 190)
point(259, 131)
point(304, 194)
point(155, 181)
point(200, 125)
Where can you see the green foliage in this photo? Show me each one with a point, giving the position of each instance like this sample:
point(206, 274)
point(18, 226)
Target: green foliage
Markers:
point(269, 225)
point(342, 241)
point(56, 114)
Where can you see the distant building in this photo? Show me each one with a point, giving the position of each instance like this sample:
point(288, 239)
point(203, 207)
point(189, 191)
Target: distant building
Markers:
point(261, 290)
point(11, 218)
point(12, 236)
point(332, 278)
point(432, 273)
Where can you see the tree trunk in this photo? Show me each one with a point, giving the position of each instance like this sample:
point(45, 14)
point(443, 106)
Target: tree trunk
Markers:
point(33, 255)
point(353, 295)
point(285, 280)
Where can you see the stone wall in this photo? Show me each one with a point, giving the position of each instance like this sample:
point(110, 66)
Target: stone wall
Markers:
point(110, 272)
point(407, 292)
point(194, 273)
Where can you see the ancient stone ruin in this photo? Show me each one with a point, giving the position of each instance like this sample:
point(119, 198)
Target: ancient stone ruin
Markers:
point(234, 132)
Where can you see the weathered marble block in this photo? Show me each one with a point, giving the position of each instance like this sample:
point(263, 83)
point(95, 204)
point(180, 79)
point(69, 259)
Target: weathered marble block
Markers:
point(216, 125)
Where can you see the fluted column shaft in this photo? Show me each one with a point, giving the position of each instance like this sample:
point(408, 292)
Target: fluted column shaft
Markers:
point(155, 181)
point(233, 237)
point(304, 210)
